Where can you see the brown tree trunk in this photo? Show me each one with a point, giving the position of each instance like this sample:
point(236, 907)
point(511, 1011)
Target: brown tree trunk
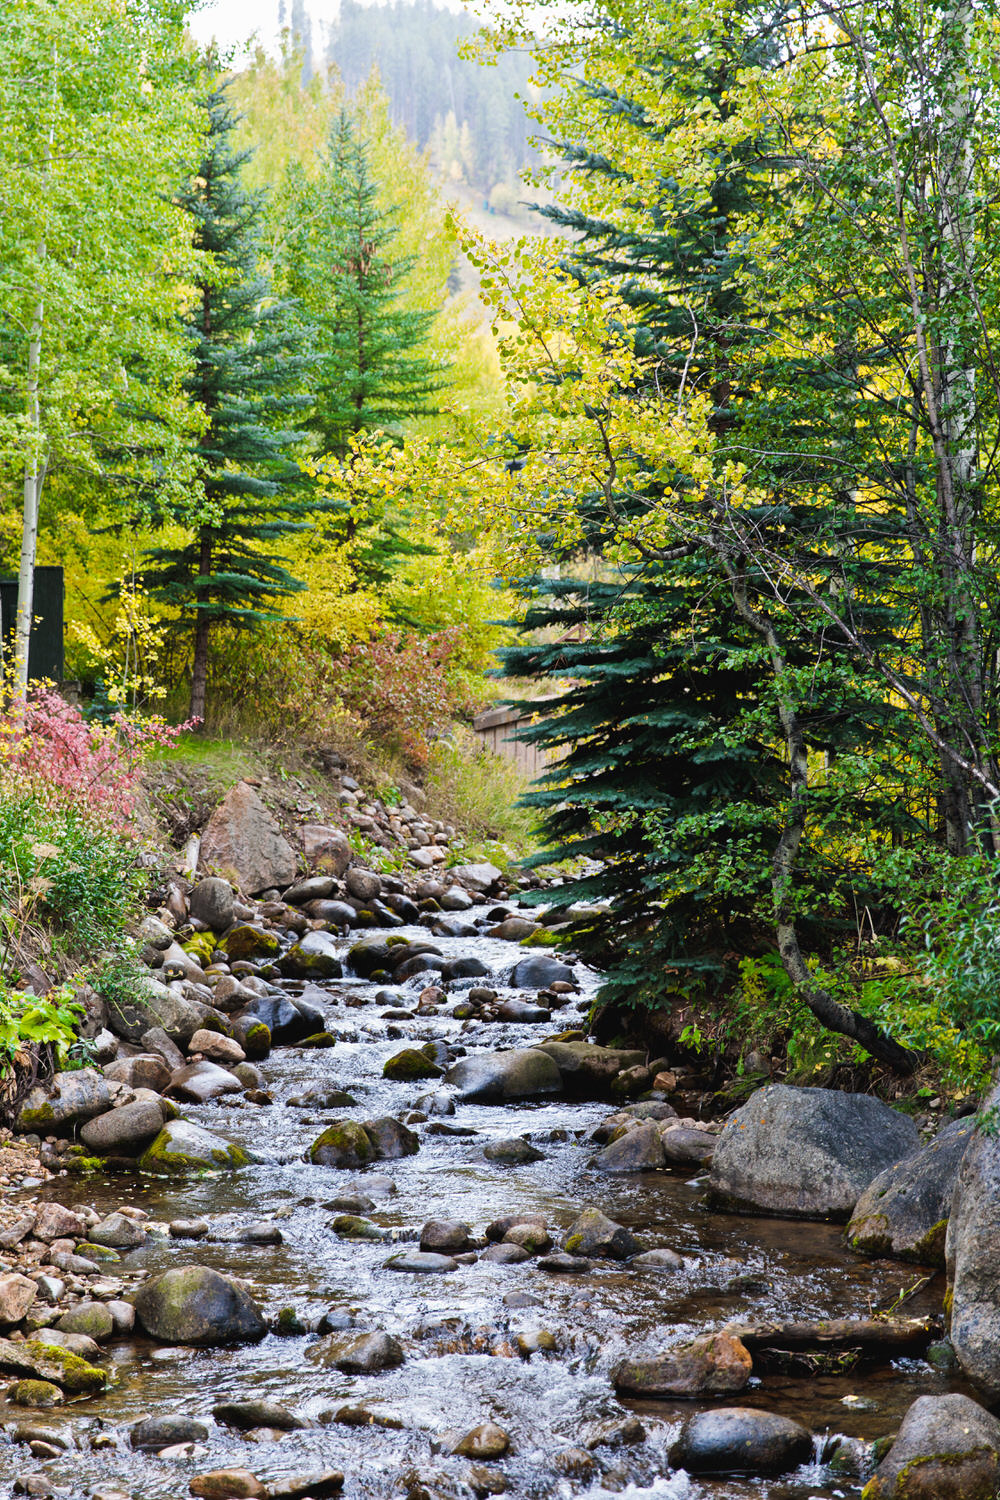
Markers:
point(199, 667)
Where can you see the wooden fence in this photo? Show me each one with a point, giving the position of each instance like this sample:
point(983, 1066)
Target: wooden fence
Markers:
point(494, 729)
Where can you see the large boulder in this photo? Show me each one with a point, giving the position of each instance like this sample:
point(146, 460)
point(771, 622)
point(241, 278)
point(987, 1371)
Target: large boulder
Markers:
point(489, 1077)
point(806, 1153)
point(539, 971)
point(244, 843)
point(740, 1440)
point(66, 1101)
point(195, 1305)
point(638, 1150)
point(123, 1131)
point(588, 1071)
point(904, 1211)
point(947, 1448)
point(183, 1149)
point(211, 902)
point(282, 1017)
point(973, 1258)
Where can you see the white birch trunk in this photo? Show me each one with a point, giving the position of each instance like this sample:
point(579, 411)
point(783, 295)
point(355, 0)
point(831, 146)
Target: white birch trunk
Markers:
point(34, 474)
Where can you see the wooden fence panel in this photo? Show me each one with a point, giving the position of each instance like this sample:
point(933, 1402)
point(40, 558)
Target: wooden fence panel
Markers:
point(494, 730)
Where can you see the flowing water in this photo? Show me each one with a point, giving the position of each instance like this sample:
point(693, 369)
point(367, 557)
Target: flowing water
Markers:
point(459, 1334)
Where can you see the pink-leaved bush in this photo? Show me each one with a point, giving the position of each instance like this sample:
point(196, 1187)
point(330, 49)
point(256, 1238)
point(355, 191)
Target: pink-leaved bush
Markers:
point(50, 750)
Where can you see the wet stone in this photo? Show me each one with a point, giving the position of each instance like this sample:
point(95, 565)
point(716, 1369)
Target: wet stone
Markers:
point(246, 1415)
point(593, 1233)
point(228, 1484)
point(505, 1255)
point(740, 1440)
point(359, 1355)
point(484, 1442)
point(716, 1365)
point(421, 1262)
point(446, 1236)
point(154, 1433)
point(512, 1153)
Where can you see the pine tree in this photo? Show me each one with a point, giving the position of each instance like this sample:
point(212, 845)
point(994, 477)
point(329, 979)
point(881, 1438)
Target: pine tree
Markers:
point(668, 775)
point(369, 368)
point(246, 377)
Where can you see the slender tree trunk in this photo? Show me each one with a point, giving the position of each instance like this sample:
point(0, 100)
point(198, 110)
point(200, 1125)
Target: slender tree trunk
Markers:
point(202, 632)
point(829, 1011)
point(34, 474)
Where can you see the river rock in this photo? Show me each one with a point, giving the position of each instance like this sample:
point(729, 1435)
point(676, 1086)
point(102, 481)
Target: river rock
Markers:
point(243, 841)
point(217, 1048)
point(36, 1361)
point(522, 1012)
point(420, 1262)
point(363, 885)
point(123, 1131)
point(183, 1148)
point(211, 902)
point(686, 1146)
point(250, 944)
point(285, 1025)
point(66, 1101)
point(740, 1440)
point(391, 1139)
point(806, 1153)
point(588, 1071)
point(483, 1442)
point(491, 1077)
point(315, 956)
point(447, 1236)
point(156, 1006)
point(154, 1433)
point(203, 1081)
point(118, 1232)
point(539, 971)
point(54, 1222)
point(147, 1070)
point(344, 1143)
point(244, 1416)
point(76, 1343)
point(594, 1234)
point(512, 929)
point(638, 1150)
point(717, 1365)
point(505, 1255)
point(479, 878)
point(327, 849)
point(409, 1064)
point(17, 1293)
point(94, 1319)
point(658, 1260)
point(313, 888)
point(358, 1355)
point(947, 1448)
point(228, 1484)
point(904, 1211)
point(34, 1393)
point(313, 1486)
point(156, 1041)
point(515, 1152)
point(195, 1305)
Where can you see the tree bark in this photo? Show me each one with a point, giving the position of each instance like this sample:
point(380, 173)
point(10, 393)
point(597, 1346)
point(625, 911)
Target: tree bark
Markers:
point(202, 632)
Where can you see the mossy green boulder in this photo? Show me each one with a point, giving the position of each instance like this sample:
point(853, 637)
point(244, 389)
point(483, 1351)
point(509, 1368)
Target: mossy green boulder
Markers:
point(343, 1144)
point(249, 943)
point(409, 1064)
point(34, 1393)
point(201, 946)
point(34, 1360)
point(183, 1149)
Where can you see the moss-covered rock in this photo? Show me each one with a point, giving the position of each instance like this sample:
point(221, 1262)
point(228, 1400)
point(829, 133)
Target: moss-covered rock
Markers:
point(201, 946)
point(196, 1305)
point(409, 1064)
point(184, 1149)
point(319, 1039)
point(246, 942)
point(343, 1144)
point(48, 1362)
point(35, 1393)
point(101, 1254)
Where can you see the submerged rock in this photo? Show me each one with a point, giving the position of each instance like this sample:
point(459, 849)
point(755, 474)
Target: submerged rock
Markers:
point(806, 1153)
point(904, 1211)
point(740, 1440)
point(199, 1306)
point(717, 1365)
point(363, 1354)
point(947, 1448)
point(154, 1433)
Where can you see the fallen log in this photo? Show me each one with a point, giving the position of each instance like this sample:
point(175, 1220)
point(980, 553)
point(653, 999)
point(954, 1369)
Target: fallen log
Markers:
point(833, 1345)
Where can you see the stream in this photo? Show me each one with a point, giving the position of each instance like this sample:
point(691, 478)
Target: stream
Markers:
point(459, 1331)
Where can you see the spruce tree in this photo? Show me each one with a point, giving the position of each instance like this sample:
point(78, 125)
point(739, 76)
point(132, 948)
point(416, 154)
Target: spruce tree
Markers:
point(668, 775)
point(246, 376)
point(370, 370)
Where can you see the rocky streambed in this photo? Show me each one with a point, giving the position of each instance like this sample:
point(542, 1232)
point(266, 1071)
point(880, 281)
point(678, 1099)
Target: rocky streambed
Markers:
point(431, 1259)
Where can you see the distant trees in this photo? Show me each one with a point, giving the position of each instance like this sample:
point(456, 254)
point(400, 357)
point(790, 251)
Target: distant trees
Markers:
point(246, 379)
